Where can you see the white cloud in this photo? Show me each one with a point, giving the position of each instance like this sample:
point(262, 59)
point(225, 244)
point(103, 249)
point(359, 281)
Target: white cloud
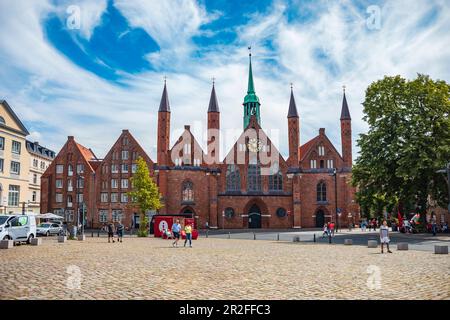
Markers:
point(45, 87)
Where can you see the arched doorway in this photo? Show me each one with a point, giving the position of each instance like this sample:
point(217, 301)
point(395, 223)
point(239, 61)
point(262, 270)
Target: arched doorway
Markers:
point(320, 218)
point(254, 217)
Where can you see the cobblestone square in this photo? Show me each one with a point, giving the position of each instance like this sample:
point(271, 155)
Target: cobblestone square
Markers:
point(218, 269)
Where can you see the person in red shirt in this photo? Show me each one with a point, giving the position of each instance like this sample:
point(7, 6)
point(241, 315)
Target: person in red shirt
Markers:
point(332, 228)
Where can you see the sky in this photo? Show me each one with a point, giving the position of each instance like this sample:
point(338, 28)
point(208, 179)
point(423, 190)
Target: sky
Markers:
point(92, 68)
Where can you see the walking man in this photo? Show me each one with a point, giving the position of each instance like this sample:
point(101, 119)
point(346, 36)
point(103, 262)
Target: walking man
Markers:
point(384, 236)
point(188, 230)
point(110, 232)
point(176, 229)
point(120, 228)
point(433, 224)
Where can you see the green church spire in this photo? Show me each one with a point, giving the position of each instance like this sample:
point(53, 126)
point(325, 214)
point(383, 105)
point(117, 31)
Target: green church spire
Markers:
point(251, 100)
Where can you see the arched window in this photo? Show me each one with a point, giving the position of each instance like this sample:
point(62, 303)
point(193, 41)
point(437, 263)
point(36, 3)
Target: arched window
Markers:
point(276, 181)
point(321, 192)
point(188, 191)
point(254, 177)
point(233, 178)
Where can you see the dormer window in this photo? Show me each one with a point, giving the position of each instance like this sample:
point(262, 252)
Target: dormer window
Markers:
point(313, 164)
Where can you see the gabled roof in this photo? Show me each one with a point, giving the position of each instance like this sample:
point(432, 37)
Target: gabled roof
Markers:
point(306, 148)
point(253, 124)
point(15, 117)
point(197, 147)
point(87, 154)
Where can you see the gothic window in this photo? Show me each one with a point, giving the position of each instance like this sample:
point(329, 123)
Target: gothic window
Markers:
point(229, 213)
point(322, 164)
point(188, 191)
point(321, 192)
point(233, 178)
point(321, 150)
point(276, 181)
point(254, 177)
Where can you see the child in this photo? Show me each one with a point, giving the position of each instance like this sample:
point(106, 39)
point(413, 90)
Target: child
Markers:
point(384, 236)
point(120, 228)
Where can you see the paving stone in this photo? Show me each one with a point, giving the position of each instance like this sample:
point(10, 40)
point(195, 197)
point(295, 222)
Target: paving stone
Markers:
point(151, 268)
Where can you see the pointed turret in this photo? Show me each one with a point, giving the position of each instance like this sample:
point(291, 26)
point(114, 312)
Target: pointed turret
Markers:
point(163, 128)
point(164, 104)
point(251, 100)
point(213, 129)
point(292, 106)
point(293, 131)
point(213, 104)
point(346, 133)
point(345, 113)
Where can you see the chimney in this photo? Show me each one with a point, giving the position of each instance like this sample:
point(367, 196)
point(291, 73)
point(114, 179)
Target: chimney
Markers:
point(188, 128)
point(322, 131)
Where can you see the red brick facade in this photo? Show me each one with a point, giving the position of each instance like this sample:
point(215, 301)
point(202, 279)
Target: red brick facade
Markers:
point(252, 187)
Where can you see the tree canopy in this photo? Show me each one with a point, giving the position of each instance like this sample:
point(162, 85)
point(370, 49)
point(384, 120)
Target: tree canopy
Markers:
point(407, 142)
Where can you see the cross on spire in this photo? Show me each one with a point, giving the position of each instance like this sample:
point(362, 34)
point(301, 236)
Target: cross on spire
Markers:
point(213, 80)
point(249, 50)
point(343, 87)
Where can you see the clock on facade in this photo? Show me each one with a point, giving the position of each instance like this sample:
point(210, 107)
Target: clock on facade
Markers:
point(254, 145)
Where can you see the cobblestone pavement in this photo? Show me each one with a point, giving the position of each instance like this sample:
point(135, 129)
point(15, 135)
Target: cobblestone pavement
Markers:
point(218, 269)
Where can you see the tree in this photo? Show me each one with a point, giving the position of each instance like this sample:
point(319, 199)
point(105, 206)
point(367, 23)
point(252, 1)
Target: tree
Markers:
point(145, 194)
point(407, 142)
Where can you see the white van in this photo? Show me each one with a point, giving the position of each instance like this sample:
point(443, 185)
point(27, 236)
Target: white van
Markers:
point(17, 227)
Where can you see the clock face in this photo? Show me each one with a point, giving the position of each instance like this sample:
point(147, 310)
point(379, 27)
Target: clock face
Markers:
point(254, 145)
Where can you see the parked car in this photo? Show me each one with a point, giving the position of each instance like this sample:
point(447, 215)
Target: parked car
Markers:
point(19, 228)
point(4, 220)
point(47, 228)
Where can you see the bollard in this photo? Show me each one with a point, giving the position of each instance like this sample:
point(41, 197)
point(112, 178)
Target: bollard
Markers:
point(254, 236)
point(36, 241)
point(439, 249)
point(372, 244)
point(229, 235)
point(314, 239)
point(92, 233)
point(296, 239)
point(207, 233)
point(329, 238)
point(62, 239)
point(402, 246)
point(6, 244)
point(278, 237)
point(98, 233)
point(81, 237)
point(348, 242)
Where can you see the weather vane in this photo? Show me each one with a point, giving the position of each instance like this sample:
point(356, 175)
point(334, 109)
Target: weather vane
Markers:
point(343, 87)
point(292, 85)
point(213, 80)
point(250, 50)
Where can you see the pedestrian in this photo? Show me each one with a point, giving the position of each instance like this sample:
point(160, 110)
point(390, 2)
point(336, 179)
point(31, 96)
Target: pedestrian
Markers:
point(374, 224)
point(119, 229)
point(384, 236)
point(332, 229)
point(433, 224)
point(176, 229)
point(110, 232)
point(325, 230)
point(188, 231)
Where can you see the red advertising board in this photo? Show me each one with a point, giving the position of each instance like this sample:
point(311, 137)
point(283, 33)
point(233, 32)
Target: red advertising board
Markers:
point(166, 222)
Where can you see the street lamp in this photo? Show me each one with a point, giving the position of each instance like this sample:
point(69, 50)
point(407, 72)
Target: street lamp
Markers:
point(335, 198)
point(447, 170)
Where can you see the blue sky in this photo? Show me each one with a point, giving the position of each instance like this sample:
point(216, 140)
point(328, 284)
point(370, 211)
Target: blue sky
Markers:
point(92, 68)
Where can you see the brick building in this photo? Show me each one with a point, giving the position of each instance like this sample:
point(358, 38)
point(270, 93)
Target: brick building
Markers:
point(254, 186)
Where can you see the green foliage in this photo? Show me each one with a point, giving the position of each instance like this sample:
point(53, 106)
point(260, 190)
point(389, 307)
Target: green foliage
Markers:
point(145, 194)
point(407, 142)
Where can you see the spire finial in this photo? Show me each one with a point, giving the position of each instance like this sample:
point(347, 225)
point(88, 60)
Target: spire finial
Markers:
point(292, 86)
point(343, 87)
point(250, 51)
point(165, 80)
point(213, 80)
